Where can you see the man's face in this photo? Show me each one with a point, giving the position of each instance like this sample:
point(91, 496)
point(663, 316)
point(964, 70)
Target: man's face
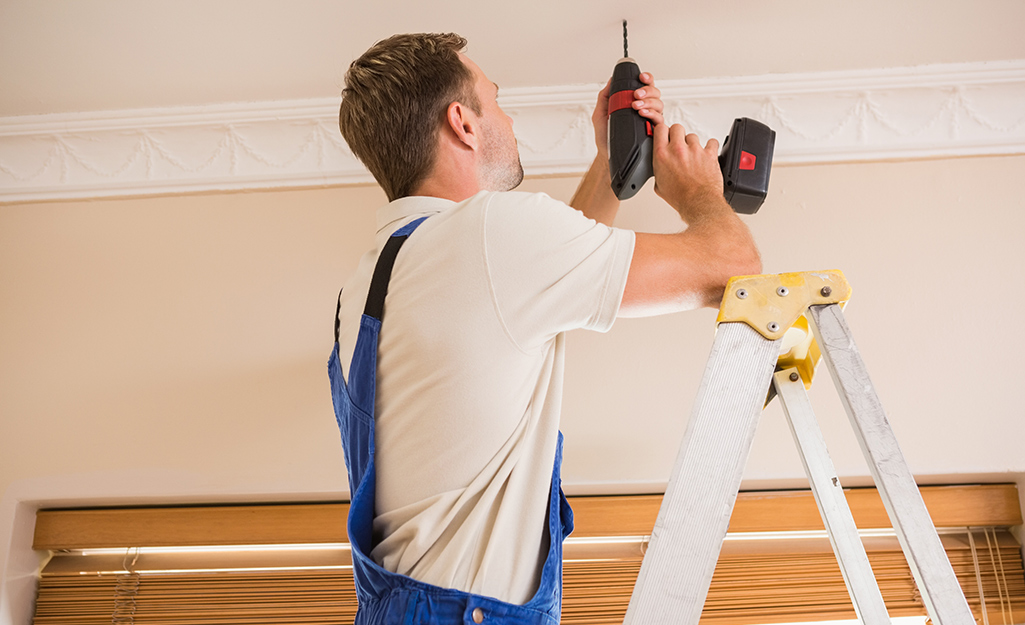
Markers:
point(500, 168)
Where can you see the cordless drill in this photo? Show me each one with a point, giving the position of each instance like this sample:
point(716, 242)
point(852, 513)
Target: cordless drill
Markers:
point(745, 159)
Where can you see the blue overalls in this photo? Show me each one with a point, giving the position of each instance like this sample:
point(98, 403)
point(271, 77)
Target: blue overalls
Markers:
point(386, 597)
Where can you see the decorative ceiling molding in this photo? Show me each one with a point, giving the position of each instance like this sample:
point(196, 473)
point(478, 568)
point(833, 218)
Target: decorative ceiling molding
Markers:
point(902, 113)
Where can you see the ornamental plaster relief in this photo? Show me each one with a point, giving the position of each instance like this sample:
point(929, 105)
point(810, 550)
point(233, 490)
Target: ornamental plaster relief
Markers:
point(900, 113)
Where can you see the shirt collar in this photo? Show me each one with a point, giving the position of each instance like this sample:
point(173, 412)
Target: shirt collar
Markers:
point(393, 215)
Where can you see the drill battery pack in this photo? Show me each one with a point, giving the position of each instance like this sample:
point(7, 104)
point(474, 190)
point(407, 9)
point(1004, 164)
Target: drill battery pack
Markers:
point(745, 161)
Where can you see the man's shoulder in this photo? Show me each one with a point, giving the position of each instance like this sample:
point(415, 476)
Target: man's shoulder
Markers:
point(516, 198)
point(525, 207)
point(512, 216)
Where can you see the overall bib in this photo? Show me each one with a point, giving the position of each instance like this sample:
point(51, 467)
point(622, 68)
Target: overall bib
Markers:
point(386, 597)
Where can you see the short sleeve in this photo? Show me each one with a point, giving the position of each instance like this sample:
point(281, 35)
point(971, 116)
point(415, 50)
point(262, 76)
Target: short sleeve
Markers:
point(551, 269)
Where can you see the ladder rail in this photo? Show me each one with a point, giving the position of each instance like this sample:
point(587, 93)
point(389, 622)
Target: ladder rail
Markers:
point(930, 567)
point(699, 499)
point(829, 497)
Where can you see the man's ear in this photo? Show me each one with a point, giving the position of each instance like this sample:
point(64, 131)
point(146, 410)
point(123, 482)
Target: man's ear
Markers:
point(463, 123)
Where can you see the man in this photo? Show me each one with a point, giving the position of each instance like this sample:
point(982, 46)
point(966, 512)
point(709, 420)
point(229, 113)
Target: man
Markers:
point(450, 408)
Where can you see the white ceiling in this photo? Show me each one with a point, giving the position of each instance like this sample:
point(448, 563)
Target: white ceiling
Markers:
point(67, 56)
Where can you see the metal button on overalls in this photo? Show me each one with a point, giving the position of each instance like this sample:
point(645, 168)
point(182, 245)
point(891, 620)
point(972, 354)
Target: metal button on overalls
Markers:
point(386, 597)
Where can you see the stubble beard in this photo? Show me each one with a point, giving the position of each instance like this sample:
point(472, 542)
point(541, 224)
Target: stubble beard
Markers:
point(501, 169)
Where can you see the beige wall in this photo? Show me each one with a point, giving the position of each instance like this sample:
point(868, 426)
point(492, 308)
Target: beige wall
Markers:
point(173, 349)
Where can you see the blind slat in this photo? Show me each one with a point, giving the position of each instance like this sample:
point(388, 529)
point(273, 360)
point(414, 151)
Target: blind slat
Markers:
point(745, 589)
point(755, 581)
point(994, 505)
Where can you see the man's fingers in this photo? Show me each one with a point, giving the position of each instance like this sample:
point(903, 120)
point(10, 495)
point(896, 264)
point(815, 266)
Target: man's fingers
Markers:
point(648, 99)
point(654, 104)
point(660, 136)
point(648, 94)
point(655, 117)
point(652, 115)
point(677, 133)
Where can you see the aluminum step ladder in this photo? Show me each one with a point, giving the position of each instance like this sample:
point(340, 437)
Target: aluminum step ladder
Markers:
point(800, 315)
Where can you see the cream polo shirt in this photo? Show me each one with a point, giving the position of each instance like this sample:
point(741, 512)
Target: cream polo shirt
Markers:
point(470, 376)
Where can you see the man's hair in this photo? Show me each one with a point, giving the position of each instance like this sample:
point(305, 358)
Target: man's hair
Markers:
point(395, 100)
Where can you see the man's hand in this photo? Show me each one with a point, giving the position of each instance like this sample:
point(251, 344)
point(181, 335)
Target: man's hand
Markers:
point(647, 102)
point(672, 272)
point(687, 175)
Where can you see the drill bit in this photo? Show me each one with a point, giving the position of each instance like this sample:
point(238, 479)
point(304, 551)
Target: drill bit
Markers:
point(626, 52)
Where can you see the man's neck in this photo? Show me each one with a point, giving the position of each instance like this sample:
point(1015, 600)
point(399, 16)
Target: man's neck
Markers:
point(447, 189)
point(453, 175)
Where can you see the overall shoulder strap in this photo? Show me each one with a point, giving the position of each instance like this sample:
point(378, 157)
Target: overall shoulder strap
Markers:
point(382, 271)
point(338, 312)
point(382, 274)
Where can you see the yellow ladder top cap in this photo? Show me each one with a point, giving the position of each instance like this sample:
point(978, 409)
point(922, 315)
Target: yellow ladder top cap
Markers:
point(772, 303)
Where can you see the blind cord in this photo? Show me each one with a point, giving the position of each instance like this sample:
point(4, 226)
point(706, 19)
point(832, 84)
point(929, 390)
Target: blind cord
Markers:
point(1003, 577)
point(978, 575)
point(126, 590)
point(998, 574)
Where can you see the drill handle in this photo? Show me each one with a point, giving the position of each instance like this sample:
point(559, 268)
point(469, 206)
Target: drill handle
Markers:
point(630, 142)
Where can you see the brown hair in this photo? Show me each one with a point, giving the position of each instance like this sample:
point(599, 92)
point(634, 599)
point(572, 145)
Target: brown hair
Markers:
point(394, 103)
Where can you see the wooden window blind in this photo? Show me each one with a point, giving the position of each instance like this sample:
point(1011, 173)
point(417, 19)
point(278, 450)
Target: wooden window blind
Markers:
point(271, 564)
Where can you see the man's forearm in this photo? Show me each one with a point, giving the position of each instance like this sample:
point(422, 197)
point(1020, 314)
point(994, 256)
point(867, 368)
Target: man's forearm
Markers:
point(689, 269)
point(594, 197)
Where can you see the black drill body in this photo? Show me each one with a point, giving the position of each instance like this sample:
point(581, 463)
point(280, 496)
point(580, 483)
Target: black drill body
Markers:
point(629, 134)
